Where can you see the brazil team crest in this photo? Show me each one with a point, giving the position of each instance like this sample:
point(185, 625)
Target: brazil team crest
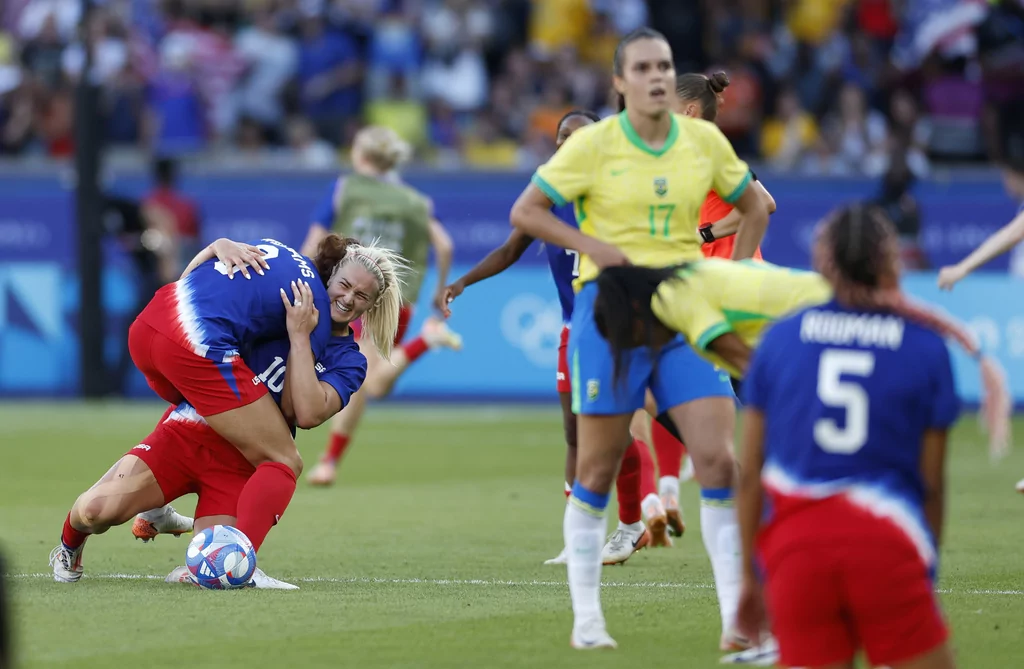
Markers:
point(660, 186)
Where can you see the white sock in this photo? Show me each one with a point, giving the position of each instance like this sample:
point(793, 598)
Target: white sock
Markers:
point(584, 538)
point(721, 532)
point(632, 528)
point(669, 485)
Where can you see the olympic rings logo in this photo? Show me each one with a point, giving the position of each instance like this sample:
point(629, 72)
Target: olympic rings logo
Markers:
point(533, 325)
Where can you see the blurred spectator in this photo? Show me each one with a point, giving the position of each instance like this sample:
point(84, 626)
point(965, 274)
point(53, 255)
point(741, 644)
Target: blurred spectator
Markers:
point(486, 147)
point(789, 134)
point(42, 55)
point(455, 69)
point(400, 112)
point(173, 214)
point(309, 151)
point(272, 60)
point(910, 131)
point(861, 132)
point(557, 24)
point(554, 103)
point(109, 52)
point(175, 122)
point(901, 208)
point(329, 75)
point(65, 15)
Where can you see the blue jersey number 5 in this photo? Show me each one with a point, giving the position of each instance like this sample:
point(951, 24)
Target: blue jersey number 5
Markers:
point(847, 395)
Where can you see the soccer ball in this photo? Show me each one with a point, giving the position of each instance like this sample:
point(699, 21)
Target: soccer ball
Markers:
point(221, 558)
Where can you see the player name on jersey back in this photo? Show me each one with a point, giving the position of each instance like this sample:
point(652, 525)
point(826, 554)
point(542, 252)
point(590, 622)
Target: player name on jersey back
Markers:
point(845, 329)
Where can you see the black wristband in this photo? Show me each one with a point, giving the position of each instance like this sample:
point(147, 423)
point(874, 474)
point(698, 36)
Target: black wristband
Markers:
point(706, 234)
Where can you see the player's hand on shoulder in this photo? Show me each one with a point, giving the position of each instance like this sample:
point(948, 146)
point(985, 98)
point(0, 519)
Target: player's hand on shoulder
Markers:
point(240, 257)
point(949, 276)
point(606, 255)
point(302, 314)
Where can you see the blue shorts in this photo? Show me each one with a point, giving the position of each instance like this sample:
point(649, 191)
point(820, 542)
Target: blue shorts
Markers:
point(676, 376)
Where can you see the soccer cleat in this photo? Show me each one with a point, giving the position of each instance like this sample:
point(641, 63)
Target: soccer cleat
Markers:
point(622, 544)
point(674, 515)
point(67, 563)
point(561, 558)
point(261, 581)
point(734, 641)
point(764, 655)
point(591, 635)
point(323, 474)
point(181, 575)
point(164, 520)
point(437, 334)
point(1020, 486)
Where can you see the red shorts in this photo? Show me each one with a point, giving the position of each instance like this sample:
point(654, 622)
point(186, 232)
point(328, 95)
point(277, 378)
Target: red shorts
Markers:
point(404, 316)
point(563, 383)
point(840, 579)
point(176, 374)
point(189, 458)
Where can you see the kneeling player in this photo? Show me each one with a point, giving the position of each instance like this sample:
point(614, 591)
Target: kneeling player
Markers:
point(183, 454)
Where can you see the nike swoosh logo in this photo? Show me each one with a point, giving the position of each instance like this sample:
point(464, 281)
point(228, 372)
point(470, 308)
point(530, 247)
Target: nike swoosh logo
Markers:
point(638, 539)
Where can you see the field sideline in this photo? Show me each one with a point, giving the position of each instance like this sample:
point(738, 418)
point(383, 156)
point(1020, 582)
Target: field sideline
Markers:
point(426, 554)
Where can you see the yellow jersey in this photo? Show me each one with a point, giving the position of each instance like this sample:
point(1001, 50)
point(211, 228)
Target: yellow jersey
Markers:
point(644, 201)
point(716, 296)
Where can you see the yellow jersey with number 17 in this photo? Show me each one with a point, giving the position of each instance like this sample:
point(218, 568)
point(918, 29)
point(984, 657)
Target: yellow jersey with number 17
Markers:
point(715, 296)
point(644, 201)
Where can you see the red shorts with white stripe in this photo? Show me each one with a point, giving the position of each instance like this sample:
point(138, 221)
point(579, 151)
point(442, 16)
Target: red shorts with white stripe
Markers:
point(404, 316)
point(177, 374)
point(564, 382)
point(192, 458)
point(840, 579)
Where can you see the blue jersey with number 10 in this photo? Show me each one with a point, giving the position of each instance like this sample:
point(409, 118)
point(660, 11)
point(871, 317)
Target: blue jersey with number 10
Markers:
point(847, 397)
point(565, 265)
point(219, 316)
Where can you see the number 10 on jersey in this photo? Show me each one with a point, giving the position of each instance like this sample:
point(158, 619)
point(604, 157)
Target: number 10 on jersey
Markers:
point(658, 217)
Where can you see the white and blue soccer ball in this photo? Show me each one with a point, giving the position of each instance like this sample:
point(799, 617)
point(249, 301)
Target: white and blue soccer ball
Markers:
point(221, 558)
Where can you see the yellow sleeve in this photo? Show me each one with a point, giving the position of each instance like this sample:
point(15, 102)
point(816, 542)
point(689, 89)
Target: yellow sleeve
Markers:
point(683, 309)
point(569, 173)
point(731, 175)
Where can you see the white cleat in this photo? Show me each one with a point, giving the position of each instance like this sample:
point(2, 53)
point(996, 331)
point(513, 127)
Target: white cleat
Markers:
point(67, 563)
point(437, 334)
point(561, 558)
point(181, 575)
point(623, 543)
point(591, 635)
point(263, 582)
point(164, 520)
point(765, 655)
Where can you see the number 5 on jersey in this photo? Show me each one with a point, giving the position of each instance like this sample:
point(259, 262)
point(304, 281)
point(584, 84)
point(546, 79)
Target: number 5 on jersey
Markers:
point(847, 395)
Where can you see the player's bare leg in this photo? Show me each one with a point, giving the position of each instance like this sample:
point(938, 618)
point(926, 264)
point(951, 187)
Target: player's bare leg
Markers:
point(343, 427)
point(602, 441)
point(569, 429)
point(708, 424)
point(259, 578)
point(127, 488)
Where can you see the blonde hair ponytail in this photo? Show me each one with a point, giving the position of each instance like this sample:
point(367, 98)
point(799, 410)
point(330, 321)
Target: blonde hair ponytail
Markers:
point(382, 147)
point(380, 321)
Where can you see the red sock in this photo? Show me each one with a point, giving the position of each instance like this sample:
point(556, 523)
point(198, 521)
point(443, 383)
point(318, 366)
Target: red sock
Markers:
point(336, 447)
point(667, 449)
point(264, 498)
point(648, 484)
point(414, 349)
point(628, 484)
point(71, 537)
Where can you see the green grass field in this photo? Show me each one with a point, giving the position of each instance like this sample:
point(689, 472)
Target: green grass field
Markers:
point(426, 554)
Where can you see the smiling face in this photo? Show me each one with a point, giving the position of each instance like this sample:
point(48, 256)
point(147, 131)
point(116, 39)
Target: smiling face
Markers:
point(352, 290)
point(648, 76)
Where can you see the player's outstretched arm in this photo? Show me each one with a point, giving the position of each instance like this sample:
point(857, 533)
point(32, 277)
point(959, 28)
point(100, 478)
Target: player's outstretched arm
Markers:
point(444, 249)
point(999, 243)
point(531, 214)
point(494, 263)
point(933, 475)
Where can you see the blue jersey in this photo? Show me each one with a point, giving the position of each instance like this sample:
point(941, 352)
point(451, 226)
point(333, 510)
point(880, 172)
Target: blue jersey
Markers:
point(565, 265)
point(847, 396)
point(342, 366)
point(217, 317)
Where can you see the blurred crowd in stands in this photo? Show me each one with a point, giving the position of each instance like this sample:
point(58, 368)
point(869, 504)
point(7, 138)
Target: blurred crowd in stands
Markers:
point(831, 87)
